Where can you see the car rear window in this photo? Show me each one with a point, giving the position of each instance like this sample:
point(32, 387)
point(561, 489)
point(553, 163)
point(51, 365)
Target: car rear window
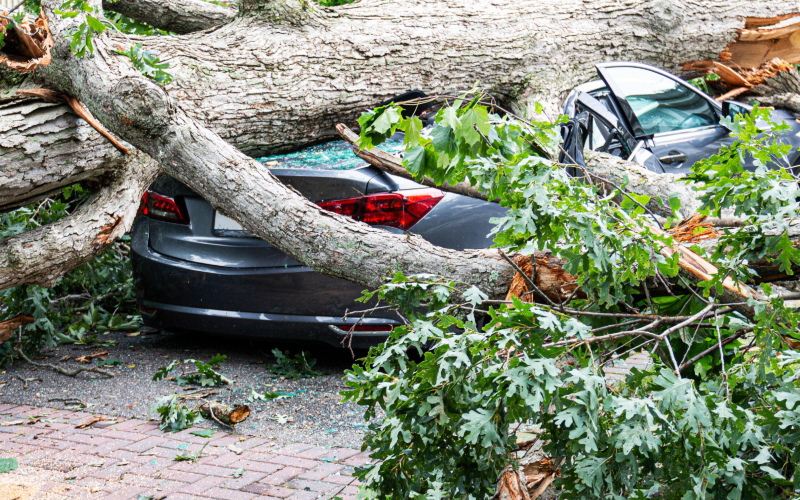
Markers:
point(333, 155)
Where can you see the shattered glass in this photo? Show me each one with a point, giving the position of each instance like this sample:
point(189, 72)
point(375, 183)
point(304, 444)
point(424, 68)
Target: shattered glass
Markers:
point(333, 155)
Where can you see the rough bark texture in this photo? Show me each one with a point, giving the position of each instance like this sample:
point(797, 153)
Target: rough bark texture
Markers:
point(43, 255)
point(177, 16)
point(224, 413)
point(659, 187)
point(281, 76)
point(781, 91)
point(44, 147)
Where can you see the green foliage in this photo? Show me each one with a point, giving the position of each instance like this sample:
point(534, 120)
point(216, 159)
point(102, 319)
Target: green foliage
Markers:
point(83, 35)
point(701, 82)
point(132, 26)
point(765, 199)
point(293, 367)
point(8, 464)
point(607, 244)
point(96, 23)
point(175, 416)
point(444, 394)
point(333, 3)
point(147, 63)
point(205, 376)
point(92, 299)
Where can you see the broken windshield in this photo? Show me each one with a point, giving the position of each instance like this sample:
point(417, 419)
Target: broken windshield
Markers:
point(333, 155)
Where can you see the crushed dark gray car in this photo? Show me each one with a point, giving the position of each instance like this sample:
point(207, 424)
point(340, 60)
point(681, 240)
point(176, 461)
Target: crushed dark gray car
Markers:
point(197, 270)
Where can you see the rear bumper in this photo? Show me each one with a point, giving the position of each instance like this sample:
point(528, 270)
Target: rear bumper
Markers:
point(291, 303)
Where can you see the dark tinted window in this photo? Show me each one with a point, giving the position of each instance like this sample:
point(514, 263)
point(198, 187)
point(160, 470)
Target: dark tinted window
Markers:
point(660, 103)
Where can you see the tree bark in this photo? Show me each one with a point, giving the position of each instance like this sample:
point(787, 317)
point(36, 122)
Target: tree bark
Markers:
point(781, 91)
point(44, 147)
point(150, 119)
point(224, 413)
point(177, 16)
point(282, 75)
point(41, 256)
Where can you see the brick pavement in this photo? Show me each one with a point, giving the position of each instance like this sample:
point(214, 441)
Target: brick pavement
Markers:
point(130, 459)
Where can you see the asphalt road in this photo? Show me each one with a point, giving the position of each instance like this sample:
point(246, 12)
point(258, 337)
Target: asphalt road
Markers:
point(312, 413)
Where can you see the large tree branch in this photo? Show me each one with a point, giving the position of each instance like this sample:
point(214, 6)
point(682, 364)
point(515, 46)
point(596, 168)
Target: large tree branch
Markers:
point(41, 256)
point(141, 112)
point(177, 16)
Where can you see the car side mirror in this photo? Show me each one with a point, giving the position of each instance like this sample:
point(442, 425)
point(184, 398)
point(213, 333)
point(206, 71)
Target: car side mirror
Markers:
point(732, 108)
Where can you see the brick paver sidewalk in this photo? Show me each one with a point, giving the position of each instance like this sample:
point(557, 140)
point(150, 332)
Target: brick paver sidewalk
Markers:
point(133, 459)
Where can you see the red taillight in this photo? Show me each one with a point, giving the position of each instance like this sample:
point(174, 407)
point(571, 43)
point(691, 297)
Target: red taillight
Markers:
point(160, 207)
point(402, 209)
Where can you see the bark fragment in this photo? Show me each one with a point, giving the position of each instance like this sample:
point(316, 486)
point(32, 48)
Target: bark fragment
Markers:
point(224, 413)
point(78, 108)
point(27, 45)
point(8, 326)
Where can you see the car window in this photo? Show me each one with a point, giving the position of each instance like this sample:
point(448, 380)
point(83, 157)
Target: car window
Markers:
point(660, 103)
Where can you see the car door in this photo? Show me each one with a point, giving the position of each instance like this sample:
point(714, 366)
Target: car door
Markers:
point(592, 125)
point(678, 123)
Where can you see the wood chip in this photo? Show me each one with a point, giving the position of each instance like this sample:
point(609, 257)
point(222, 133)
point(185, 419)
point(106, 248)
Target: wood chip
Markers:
point(96, 418)
point(89, 357)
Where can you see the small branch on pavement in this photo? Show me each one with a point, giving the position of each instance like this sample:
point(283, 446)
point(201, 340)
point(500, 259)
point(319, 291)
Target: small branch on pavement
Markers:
point(26, 380)
point(58, 369)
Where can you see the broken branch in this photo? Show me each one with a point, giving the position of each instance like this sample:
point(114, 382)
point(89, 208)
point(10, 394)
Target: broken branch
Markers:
point(393, 165)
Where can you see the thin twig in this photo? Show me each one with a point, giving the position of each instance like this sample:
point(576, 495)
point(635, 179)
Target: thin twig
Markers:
point(737, 335)
point(58, 369)
point(16, 7)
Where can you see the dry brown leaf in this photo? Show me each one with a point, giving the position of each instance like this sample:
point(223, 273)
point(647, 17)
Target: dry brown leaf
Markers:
point(93, 420)
point(27, 45)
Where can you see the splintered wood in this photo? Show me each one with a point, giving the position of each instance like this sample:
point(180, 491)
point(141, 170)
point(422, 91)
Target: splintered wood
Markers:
point(765, 48)
point(526, 484)
point(8, 326)
point(27, 44)
point(693, 229)
point(549, 277)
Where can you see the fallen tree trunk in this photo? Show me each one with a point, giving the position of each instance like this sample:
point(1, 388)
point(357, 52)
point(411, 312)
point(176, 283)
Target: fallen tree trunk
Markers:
point(142, 113)
point(274, 83)
point(177, 16)
point(282, 74)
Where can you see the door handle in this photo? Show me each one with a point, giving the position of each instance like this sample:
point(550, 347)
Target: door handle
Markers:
point(673, 157)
